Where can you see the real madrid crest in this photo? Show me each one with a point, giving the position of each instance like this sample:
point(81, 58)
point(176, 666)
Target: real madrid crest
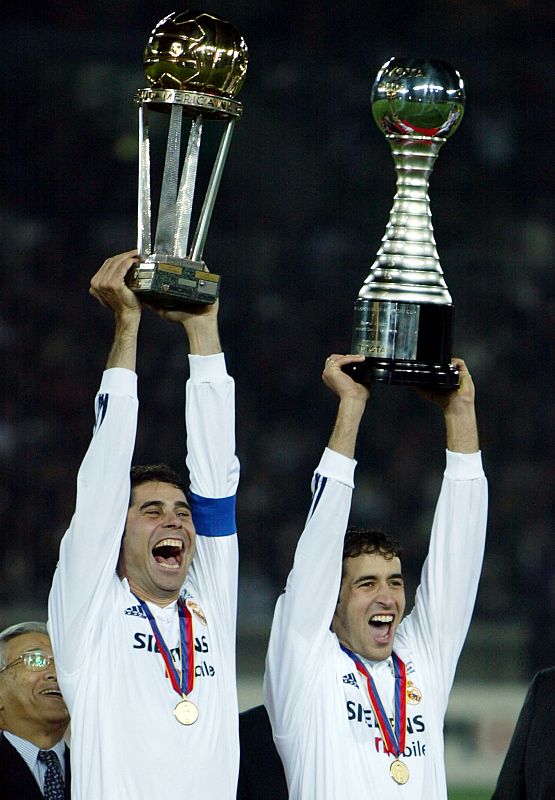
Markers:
point(195, 609)
point(414, 695)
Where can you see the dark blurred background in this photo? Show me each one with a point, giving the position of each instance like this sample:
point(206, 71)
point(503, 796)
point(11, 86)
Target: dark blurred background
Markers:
point(302, 208)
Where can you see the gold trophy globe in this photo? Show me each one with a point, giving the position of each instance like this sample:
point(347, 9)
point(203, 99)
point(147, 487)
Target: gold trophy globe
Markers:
point(195, 64)
point(403, 319)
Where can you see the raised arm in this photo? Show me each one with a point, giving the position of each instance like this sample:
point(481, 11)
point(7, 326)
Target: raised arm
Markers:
point(459, 412)
point(446, 595)
point(212, 463)
point(108, 286)
point(210, 405)
point(200, 323)
point(300, 631)
point(89, 550)
point(352, 402)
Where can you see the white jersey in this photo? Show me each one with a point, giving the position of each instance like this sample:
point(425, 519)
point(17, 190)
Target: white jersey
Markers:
point(324, 727)
point(126, 743)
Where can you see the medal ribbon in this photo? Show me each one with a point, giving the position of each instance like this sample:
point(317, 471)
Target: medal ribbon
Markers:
point(394, 740)
point(183, 684)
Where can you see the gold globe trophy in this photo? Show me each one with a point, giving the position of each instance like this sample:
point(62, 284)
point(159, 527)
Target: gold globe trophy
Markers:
point(195, 64)
point(403, 320)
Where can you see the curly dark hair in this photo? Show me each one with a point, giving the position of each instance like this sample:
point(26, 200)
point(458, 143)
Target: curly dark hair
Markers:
point(366, 540)
point(142, 473)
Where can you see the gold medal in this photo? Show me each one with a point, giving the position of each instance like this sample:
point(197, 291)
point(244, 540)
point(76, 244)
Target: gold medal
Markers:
point(399, 771)
point(414, 695)
point(186, 712)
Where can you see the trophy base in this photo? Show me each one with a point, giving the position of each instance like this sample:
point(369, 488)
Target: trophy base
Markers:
point(173, 285)
point(407, 344)
point(441, 377)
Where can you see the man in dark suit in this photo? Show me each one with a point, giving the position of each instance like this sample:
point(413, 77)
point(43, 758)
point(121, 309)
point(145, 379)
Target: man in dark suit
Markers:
point(261, 775)
point(528, 772)
point(33, 717)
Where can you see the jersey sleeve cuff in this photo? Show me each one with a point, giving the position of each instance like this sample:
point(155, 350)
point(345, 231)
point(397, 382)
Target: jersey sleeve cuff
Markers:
point(463, 466)
point(207, 369)
point(337, 466)
point(118, 380)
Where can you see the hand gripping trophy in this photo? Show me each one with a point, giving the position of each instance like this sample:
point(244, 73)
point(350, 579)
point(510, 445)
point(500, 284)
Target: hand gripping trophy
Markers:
point(403, 319)
point(196, 64)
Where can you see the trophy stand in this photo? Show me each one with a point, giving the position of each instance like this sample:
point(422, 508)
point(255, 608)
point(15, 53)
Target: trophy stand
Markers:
point(403, 317)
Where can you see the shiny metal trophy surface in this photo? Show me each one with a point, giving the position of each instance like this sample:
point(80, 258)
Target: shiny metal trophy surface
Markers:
point(195, 64)
point(403, 319)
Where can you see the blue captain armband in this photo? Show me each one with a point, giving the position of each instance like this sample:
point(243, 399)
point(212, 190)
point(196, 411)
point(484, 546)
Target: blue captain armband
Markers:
point(213, 517)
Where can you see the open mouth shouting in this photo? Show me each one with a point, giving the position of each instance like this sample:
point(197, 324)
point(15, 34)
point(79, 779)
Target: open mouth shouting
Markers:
point(168, 553)
point(382, 628)
point(158, 544)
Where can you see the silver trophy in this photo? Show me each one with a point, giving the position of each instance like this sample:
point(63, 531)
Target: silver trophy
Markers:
point(195, 64)
point(403, 319)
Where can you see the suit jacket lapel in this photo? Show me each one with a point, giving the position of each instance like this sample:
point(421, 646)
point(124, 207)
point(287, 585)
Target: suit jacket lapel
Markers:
point(16, 779)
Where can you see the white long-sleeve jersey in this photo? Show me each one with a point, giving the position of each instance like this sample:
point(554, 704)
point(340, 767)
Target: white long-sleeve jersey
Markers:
point(126, 743)
point(324, 727)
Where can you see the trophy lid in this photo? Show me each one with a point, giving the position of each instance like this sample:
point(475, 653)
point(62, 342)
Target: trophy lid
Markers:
point(418, 98)
point(196, 51)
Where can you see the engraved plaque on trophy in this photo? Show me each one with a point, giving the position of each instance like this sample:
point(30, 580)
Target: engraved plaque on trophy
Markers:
point(195, 64)
point(403, 318)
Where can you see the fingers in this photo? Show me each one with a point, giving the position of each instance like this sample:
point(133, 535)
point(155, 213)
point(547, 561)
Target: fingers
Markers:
point(338, 381)
point(336, 361)
point(460, 364)
point(190, 314)
point(466, 392)
point(113, 271)
point(462, 369)
point(108, 284)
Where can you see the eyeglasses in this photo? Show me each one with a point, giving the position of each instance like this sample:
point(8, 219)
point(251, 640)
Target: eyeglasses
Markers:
point(34, 660)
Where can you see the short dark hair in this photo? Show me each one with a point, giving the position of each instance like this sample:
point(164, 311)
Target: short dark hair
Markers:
point(18, 630)
point(162, 473)
point(367, 540)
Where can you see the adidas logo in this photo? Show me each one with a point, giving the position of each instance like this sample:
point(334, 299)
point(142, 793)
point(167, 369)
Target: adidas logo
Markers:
point(350, 678)
point(135, 611)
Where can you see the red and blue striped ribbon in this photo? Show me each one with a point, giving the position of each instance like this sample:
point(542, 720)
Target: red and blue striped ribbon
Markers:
point(394, 740)
point(182, 684)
